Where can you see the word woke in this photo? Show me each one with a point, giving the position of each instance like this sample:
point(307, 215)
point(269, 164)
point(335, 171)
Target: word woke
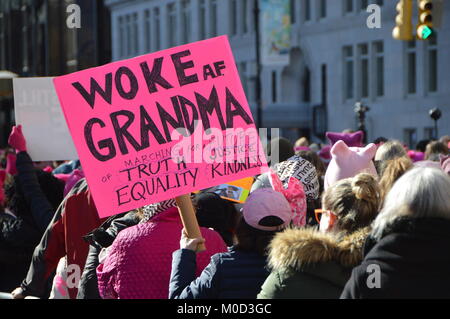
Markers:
point(152, 78)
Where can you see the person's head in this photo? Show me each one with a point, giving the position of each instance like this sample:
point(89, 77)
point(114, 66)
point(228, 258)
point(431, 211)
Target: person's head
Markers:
point(348, 162)
point(302, 144)
point(434, 149)
point(445, 140)
point(419, 193)
point(214, 212)
point(314, 159)
point(15, 201)
point(303, 170)
point(389, 151)
point(350, 204)
point(380, 140)
point(280, 147)
point(264, 213)
point(146, 213)
point(392, 170)
point(422, 145)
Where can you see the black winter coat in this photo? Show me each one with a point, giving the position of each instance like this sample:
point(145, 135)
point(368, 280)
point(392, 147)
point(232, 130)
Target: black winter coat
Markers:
point(20, 235)
point(231, 275)
point(413, 256)
point(99, 238)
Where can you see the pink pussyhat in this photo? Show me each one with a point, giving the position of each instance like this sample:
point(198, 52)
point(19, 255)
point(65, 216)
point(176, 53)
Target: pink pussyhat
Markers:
point(416, 156)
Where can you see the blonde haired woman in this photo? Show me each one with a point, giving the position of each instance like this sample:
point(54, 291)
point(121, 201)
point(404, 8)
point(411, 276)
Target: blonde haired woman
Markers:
point(408, 252)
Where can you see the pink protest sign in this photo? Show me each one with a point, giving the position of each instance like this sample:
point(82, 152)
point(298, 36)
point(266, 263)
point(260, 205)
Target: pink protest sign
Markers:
point(161, 125)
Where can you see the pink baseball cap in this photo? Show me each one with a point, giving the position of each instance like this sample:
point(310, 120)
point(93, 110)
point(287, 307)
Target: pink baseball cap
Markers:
point(267, 209)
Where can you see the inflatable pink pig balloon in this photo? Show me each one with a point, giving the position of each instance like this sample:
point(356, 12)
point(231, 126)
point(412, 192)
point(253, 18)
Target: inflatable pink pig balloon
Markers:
point(349, 161)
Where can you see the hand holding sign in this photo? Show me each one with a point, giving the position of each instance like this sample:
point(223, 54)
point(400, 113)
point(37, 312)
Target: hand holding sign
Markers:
point(191, 228)
point(188, 243)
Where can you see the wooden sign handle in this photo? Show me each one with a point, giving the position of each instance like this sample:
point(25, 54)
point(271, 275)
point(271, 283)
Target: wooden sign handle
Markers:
point(189, 219)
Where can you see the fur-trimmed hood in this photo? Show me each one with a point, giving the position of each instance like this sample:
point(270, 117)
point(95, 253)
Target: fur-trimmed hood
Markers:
point(294, 249)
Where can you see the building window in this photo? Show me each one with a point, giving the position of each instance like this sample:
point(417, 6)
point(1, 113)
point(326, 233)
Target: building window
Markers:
point(213, 20)
point(363, 5)
point(411, 72)
point(410, 137)
point(348, 72)
point(274, 86)
point(244, 77)
point(122, 45)
point(322, 9)
point(157, 29)
point(429, 133)
point(363, 70)
point(244, 16)
point(187, 21)
point(148, 31)
point(378, 48)
point(135, 31)
point(128, 34)
point(202, 17)
point(348, 6)
point(172, 24)
point(307, 10)
point(432, 70)
point(234, 15)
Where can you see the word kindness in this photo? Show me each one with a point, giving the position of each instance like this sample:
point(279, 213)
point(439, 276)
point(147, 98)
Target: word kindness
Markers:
point(187, 111)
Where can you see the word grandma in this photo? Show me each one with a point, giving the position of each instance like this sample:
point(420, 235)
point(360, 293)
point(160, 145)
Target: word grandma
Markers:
point(158, 118)
point(122, 122)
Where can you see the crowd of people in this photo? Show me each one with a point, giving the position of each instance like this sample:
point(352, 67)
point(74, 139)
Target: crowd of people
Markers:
point(336, 220)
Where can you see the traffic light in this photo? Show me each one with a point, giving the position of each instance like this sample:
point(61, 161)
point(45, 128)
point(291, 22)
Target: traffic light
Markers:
point(403, 29)
point(425, 26)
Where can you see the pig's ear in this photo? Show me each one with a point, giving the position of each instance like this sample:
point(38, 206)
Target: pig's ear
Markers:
point(369, 151)
point(339, 148)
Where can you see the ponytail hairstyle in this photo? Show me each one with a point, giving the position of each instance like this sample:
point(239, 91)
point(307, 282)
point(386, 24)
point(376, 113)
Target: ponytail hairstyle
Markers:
point(355, 202)
point(392, 170)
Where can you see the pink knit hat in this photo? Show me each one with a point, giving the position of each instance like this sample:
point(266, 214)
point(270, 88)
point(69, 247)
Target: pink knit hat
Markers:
point(267, 209)
point(350, 139)
point(349, 161)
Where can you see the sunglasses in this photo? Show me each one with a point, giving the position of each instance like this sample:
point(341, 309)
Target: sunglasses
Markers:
point(318, 213)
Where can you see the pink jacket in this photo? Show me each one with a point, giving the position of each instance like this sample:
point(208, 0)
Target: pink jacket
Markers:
point(139, 262)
